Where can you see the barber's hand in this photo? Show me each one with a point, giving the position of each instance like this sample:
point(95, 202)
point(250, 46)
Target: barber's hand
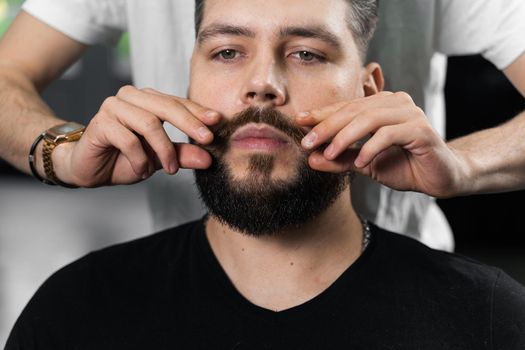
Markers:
point(403, 151)
point(126, 143)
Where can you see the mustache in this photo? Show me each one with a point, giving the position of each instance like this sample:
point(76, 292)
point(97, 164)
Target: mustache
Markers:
point(269, 116)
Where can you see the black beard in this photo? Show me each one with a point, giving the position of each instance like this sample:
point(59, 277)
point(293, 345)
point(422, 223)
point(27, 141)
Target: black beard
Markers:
point(258, 205)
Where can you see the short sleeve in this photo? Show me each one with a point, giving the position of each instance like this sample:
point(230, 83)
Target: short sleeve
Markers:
point(508, 314)
point(87, 21)
point(493, 28)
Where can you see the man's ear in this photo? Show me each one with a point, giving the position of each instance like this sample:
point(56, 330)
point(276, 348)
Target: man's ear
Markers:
point(373, 79)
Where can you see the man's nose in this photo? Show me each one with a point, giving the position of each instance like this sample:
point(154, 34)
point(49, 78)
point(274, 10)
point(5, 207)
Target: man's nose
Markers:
point(264, 85)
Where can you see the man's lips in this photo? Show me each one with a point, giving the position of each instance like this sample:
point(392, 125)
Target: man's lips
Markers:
point(262, 137)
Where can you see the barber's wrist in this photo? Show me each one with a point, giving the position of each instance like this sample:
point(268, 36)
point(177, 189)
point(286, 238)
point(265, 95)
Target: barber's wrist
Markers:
point(61, 158)
point(465, 181)
point(46, 158)
point(39, 161)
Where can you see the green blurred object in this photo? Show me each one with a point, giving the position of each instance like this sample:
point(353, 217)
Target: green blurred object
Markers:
point(123, 46)
point(8, 11)
point(3, 26)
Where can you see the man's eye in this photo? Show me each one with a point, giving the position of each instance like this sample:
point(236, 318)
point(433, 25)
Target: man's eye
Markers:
point(227, 54)
point(308, 57)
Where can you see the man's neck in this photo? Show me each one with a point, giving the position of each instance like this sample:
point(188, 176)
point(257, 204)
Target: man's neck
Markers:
point(298, 264)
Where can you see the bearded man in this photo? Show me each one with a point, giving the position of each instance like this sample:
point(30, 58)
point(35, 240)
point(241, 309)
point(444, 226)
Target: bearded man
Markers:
point(282, 260)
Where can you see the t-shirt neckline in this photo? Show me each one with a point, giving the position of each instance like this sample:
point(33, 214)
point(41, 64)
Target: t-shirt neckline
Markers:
point(221, 283)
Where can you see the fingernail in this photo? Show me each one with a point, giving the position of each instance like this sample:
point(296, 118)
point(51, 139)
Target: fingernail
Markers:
point(303, 115)
point(145, 175)
point(316, 158)
point(308, 140)
point(173, 166)
point(203, 132)
point(358, 163)
point(329, 151)
point(211, 114)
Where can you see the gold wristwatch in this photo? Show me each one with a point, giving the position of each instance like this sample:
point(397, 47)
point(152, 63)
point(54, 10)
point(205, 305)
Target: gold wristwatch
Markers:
point(67, 132)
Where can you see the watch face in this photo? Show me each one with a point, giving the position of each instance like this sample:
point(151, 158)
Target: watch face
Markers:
point(65, 129)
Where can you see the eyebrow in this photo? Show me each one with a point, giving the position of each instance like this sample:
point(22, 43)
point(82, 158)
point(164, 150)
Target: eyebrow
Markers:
point(223, 29)
point(316, 32)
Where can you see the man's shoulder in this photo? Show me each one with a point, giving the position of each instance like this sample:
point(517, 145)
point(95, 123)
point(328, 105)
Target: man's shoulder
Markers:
point(415, 264)
point(416, 259)
point(454, 287)
point(110, 287)
point(139, 257)
point(170, 238)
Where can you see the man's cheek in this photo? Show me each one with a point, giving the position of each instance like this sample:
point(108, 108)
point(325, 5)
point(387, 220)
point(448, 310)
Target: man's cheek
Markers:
point(223, 97)
point(311, 95)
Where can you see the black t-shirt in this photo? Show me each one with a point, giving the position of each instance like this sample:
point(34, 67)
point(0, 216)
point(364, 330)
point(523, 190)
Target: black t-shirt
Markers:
point(168, 291)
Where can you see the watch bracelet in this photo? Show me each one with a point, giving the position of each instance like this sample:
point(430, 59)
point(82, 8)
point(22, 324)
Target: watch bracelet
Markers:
point(32, 161)
point(48, 165)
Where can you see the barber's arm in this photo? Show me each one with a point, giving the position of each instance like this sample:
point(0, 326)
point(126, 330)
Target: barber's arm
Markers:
point(125, 141)
point(496, 156)
point(31, 55)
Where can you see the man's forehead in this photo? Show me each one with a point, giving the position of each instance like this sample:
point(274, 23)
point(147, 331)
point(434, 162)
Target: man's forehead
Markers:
point(252, 17)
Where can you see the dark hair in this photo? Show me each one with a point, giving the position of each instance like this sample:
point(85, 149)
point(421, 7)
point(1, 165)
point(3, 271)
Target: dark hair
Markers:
point(362, 20)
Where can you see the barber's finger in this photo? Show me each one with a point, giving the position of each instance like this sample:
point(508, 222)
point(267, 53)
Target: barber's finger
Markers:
point(168, 109)
point(395, 135)
point(325, 130)
point(188, 156)
point(332, 119)
point(341, 164)
point(206, 115)
point(192, 156)
point(147, 125)
point(130, 146)
point(366, 123)
point(313, 117)
point(154, 161)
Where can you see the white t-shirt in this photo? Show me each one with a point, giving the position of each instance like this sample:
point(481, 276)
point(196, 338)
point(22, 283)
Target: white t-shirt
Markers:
point(411, 42)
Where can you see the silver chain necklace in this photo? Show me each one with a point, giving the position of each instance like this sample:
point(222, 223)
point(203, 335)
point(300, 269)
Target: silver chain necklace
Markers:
point(367, 234)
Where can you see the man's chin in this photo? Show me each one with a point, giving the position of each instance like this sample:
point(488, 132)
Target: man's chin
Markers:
point(262, 169)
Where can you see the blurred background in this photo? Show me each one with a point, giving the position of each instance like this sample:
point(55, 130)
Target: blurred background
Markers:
point(43, 228)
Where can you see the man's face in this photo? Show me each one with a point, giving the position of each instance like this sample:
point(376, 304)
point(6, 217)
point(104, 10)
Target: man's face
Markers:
point(293, 55)
point(272, 55)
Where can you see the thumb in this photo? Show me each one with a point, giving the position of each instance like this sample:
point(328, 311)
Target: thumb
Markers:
point(192, 156)
point(343, 163)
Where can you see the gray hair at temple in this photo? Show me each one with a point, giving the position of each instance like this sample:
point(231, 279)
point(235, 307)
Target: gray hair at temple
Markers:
point(362, 20)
